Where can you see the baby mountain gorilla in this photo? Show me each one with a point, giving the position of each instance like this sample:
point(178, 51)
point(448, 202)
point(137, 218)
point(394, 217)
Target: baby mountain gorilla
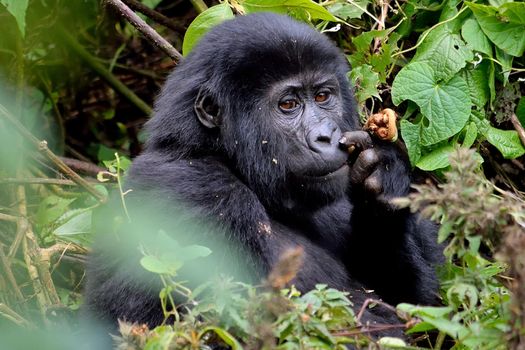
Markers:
point(251, 135)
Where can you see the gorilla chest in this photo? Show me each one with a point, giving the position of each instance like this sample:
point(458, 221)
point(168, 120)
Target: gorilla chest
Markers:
point(327, 226)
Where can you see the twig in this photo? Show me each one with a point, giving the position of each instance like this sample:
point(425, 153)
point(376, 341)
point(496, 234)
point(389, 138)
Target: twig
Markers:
point(428, 31)
point(373, 301)
point(6, 268)
point(61, 248)
point(82, 166)
point(42, 147)
point(199, 5)
point(30, 255)
point(35, 173)
point(369, 329)
point(42, 181)
point(519, 128)
point(353, 3)
point(21, 227)
point(145, 29)
point(9, 314)
point(154, 15)
point(381, 25)
point(92, 61)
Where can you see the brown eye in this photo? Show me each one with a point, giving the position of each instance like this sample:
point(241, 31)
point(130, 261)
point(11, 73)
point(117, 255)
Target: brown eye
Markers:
point(288, 105)
point(322, 97)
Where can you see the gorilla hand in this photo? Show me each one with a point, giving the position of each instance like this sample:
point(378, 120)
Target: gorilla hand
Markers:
point(378, 170)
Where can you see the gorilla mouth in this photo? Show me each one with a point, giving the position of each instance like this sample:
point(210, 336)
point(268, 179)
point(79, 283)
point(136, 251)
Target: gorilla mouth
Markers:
point(341, 171)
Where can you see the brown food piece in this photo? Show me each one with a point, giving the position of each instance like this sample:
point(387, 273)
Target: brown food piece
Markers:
point(383, 125)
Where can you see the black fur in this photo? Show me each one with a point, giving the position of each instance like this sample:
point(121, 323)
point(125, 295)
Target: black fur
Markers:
point(236, 176)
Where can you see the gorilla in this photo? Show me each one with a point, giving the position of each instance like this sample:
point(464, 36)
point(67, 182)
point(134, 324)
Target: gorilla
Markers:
point(251, 134)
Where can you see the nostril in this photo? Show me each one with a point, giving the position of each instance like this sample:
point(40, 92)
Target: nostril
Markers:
point(324, 138)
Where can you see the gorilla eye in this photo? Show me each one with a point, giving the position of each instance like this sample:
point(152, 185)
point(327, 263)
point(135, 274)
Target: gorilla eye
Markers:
point(288, 105)
point(322, 97)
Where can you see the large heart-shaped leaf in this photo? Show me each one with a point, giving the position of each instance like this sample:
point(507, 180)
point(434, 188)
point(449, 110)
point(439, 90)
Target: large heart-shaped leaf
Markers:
point(445, 52)
point(446, 105)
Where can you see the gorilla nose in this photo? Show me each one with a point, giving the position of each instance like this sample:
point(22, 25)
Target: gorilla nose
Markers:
point(324, 137)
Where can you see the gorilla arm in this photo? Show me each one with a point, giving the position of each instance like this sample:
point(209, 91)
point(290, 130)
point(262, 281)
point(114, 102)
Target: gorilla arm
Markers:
point(403, 250)
point(217, 194)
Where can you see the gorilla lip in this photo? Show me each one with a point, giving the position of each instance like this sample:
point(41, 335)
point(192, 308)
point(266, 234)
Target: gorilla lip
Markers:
point(342, 170)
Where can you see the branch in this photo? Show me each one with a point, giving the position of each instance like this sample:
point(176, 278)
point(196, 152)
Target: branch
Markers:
point(373, 301)
point(519, 128)
point(384, 10)
point(6, 268)
point(12, 316)
point(42, 147)
point(43, 181)
point(82, 166)
point(154, 15)
point(145, 29)
point(199, 5)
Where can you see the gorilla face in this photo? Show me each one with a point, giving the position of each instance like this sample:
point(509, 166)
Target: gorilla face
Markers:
point(290, 131)
point(307, 110)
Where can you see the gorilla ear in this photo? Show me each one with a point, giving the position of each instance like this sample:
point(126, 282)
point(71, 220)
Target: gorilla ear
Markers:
point(207, 110)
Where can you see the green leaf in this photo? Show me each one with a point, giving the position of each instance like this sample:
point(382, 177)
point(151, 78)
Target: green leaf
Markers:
point(477, 81)
point(193, 252)
point(296, 8)
point(421, 327)
point(513, 12)
point(365, 81)
point(156, 265)
point(437, 159)
point(151, 3)
point(203, 23)
point(348, 11)
point(52, 208)
point(506, 64)
point(520, 111)
point(225, 337)
point(391, 342)
point(445, 52)
point(473, 35)
point(75, 224)
point(498, 3)
point(460, 293)
point(433, 311)
point(445, 230)
point(492, 82)
point(18, 9)
point(505, 26)
point(506, 141)
point(446, 105)
point(411, 135)
point(363, 40)
point(471, 133)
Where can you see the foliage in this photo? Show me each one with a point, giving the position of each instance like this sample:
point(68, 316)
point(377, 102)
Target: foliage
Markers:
point(242, 316)
point(453, 68)
point(478, 315)
point(448, 85)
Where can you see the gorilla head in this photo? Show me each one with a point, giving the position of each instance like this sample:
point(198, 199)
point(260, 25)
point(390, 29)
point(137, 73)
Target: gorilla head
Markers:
point(274, 112)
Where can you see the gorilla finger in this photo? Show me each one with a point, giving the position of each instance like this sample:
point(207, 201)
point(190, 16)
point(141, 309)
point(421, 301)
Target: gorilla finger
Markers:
point(355, 139)
point(373, 183)
point(364, 165)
